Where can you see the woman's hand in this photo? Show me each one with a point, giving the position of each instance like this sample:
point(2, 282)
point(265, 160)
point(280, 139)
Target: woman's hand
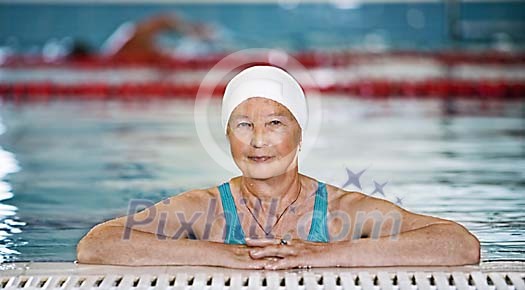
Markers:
point(294, 254)
point(239, 256)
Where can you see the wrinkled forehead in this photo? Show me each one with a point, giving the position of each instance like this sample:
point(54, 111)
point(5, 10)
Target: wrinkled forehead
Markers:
point(260, 106)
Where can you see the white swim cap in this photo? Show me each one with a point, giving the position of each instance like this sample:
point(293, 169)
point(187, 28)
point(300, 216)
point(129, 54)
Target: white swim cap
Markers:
point(268, 82)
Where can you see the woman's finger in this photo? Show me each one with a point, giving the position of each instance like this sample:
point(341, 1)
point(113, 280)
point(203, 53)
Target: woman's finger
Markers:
point(284, 263)
point(256, 264)
point(272, 251)
point(262, 242)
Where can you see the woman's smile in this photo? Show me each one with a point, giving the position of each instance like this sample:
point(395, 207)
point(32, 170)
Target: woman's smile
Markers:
point(261, 158)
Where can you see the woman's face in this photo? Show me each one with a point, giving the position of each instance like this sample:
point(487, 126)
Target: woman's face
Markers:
point(264, 138)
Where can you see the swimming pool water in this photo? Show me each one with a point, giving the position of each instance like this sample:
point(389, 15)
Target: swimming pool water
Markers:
point(68, 165)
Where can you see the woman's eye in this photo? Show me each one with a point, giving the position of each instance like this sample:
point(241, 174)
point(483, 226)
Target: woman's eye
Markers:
point(244, 124)
point(275, 122)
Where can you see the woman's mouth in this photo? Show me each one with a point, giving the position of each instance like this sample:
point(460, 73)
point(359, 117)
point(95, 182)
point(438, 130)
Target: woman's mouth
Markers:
point(260, 159)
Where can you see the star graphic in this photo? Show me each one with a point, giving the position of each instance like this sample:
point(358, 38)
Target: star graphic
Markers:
point(353, 178)
point(379, 188)
point(399, 200)
point(292, 209)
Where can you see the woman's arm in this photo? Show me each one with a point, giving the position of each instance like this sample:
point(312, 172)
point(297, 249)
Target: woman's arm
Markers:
point(159, 235)
point(105, 244)
point(441, 244)
point(384, 235)
point(434, 245)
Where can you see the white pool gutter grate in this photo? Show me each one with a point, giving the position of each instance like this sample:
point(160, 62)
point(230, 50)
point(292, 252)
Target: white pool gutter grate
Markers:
point(362, 280)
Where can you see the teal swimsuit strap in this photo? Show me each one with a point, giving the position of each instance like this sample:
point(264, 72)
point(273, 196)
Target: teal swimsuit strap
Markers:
point(234, 233)
point(319, 227)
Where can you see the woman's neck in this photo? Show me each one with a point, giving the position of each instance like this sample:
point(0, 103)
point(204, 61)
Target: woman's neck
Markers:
point(276, 192)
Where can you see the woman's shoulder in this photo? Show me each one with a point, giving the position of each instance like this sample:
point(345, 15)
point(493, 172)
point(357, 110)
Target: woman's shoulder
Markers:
point(335, 194)
point(340, 197)
point(198, 194)
point(194, 198)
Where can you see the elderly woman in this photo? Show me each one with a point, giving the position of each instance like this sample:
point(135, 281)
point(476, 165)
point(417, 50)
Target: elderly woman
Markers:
point(273, 217)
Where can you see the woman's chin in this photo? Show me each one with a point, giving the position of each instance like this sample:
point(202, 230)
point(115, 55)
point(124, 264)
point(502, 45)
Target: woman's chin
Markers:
point(259, 175)
point(261, 172)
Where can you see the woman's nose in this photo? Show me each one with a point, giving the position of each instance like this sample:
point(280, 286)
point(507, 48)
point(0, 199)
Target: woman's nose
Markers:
point(258, 137)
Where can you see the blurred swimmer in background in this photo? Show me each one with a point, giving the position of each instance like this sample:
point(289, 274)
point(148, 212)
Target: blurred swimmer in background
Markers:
point(137, 41)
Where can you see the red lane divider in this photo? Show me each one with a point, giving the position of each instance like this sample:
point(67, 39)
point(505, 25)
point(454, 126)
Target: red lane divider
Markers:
point(368, 88)
point(309, 59)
